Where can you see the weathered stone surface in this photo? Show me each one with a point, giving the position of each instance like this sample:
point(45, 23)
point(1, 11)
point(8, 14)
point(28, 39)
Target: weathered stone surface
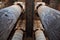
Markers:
point(51, 21)
point(8, 17)
point(18, 35)
point(39, 35)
